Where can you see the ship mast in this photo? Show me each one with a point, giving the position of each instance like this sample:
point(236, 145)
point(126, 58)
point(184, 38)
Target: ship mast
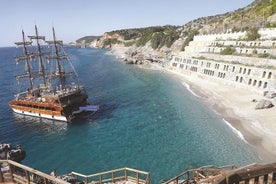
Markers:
point(57, 56)
point(42, 68)
point(26, 58)
point(60, 73)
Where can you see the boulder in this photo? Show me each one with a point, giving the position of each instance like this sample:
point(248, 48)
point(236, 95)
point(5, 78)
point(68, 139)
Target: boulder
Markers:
point(264, 104)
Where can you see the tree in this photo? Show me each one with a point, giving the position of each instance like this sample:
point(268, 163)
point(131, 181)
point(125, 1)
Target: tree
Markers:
point(252, 34)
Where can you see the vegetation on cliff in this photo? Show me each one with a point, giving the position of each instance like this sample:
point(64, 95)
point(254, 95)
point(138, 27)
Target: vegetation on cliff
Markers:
point(88, 39)
point(260, 13)
point(158, 36)
point(252, 34)
point(228, 51)
point(189, 36)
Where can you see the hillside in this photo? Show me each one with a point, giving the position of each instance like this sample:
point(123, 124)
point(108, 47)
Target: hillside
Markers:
point(260, 13)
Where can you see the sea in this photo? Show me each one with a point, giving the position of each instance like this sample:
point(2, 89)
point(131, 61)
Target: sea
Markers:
point(147, 121)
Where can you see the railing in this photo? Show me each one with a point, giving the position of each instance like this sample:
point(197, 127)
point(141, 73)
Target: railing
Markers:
point(14, 172)
point(207, 173)
point(11, 171)
point(123, 175)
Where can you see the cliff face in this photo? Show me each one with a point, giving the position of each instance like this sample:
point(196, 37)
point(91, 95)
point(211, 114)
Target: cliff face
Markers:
point(260, 13)
point(112, 36)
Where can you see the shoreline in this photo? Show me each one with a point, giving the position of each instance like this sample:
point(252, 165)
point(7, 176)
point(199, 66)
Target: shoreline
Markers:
point(233, 104)
point(231, 111)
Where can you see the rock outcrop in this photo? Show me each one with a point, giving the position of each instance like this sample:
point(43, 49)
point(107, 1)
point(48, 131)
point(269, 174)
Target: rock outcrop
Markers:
point(264, 104)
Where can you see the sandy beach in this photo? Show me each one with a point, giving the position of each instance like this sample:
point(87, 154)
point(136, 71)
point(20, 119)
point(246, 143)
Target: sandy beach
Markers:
point(234, 105)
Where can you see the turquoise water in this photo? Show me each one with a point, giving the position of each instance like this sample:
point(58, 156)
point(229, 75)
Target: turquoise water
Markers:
point(147, 121)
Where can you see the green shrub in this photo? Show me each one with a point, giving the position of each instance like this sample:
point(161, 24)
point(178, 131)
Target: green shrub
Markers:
point(252, 34)
point(189, 38)
point(264, 55)
point(128, 44)
point(228, 51)
point(156, 39)
point(109, 42)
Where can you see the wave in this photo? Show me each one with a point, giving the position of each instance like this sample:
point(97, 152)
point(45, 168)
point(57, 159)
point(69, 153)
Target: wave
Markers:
point(237, 132)
point(190, 90)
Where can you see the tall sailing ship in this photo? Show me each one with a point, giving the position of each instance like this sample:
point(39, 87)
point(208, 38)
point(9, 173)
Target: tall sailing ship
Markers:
point(51, 92)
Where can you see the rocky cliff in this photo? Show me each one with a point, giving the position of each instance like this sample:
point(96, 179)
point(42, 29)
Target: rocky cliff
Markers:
point(167, 39)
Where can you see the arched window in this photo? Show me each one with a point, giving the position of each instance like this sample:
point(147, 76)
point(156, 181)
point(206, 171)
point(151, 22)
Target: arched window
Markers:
point(265, 85)
point(269, 75)
point(260, 84)
point(241, 80)
point(255, 82)
point(264, 73)
point(237, 78)
point(250, 81)
point(249, 71)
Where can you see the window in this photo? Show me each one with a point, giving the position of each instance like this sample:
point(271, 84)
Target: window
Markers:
point(241, 80)
point(264, 73)
point(265, 85)
point(255, 82)
point(250, 81)
point(260, 83)
point(249, 71)
point(269, 75)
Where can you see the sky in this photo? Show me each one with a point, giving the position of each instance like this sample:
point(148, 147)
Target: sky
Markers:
point(74, 19)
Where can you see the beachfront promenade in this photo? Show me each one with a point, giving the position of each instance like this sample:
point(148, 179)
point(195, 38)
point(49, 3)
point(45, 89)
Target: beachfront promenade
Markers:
point(12, 172)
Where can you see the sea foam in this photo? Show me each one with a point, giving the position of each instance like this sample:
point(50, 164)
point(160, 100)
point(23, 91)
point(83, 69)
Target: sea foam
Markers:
point(190, 90)
point(237, 132)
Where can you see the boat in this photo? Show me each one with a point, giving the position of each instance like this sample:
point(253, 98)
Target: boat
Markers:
point(51, 89)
